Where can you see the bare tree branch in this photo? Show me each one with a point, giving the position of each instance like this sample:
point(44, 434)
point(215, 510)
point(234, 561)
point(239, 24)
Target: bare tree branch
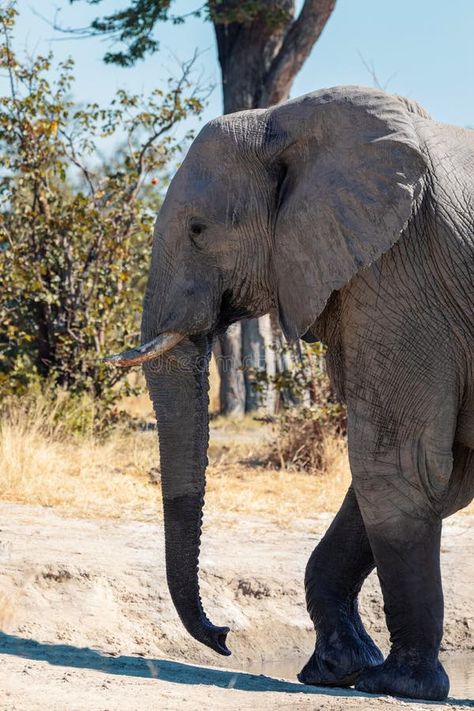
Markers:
point(73, 157)
point(296, 46)
point(370, 66)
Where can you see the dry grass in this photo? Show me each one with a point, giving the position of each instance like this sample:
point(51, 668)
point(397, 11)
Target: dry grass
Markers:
point(250, 487)
point(79, 476)
point(41, 464)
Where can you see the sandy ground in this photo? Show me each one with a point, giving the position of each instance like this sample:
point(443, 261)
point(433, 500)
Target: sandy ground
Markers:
point(88, 623)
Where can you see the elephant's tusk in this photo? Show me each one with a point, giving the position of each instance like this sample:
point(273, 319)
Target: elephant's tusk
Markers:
point(164, 342)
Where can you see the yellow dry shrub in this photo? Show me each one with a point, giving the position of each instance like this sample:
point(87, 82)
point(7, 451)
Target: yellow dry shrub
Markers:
point(42, 463)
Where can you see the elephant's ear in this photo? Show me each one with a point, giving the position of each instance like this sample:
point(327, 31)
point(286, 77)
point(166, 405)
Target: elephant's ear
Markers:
point(351, 175)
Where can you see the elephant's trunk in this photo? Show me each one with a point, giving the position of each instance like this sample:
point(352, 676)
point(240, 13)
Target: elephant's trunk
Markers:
point(178, 383)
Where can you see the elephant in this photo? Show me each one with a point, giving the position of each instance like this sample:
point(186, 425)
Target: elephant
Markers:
point(350, 212)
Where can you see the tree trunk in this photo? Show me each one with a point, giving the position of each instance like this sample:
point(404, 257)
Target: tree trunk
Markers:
point(228, 352)
point(259, 58)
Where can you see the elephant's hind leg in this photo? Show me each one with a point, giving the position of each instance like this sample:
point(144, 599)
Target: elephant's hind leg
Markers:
point(334, 575)
point(398, 497)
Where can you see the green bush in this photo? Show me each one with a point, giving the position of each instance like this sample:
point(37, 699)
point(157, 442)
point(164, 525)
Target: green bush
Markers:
point(75, 228)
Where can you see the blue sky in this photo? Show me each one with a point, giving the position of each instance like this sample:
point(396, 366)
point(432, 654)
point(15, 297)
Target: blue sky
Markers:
point(422, 48)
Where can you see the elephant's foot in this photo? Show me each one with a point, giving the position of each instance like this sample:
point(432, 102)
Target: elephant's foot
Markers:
point(338, 659)
point(413, 678)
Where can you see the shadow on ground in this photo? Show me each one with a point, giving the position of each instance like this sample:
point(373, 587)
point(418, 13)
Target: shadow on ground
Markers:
point(163, 669)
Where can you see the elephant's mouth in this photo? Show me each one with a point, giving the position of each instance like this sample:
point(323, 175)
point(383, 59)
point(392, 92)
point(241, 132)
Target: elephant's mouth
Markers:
point(230, 312)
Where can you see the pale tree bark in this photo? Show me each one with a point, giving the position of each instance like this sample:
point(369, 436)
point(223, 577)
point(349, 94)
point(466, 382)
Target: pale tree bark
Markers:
point(259, 60)
point(228, 352)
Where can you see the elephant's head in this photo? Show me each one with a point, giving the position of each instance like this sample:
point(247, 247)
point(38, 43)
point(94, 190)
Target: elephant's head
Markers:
point(270, 207)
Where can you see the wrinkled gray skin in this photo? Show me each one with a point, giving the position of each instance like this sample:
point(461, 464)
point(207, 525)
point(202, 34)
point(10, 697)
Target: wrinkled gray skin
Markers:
point(352, 212)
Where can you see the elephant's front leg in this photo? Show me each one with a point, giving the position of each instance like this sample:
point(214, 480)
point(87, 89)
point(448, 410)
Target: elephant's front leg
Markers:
point(404, 533)
point(334, 575)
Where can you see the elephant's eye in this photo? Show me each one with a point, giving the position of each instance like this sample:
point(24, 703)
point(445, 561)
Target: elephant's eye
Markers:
point(196, 230)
